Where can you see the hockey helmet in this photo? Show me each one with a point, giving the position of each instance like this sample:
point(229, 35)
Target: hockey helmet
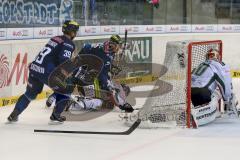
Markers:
point(115, 42)
point(213, 54)
point(70, 26)
point(115, 39)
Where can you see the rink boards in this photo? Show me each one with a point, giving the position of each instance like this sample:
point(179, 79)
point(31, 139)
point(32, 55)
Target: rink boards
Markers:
point(15, 55)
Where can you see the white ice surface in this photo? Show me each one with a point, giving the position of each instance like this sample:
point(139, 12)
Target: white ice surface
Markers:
point(219, 140)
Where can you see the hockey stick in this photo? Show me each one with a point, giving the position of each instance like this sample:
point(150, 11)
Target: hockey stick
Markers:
point(125, 44)
point(167, 105)
point(123, 51)
point(127, 132)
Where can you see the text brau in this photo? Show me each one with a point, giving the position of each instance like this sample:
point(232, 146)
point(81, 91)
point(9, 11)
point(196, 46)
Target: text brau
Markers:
point(139, 50)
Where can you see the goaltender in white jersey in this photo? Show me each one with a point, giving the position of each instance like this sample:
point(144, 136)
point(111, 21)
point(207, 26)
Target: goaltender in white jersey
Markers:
point(211, 81)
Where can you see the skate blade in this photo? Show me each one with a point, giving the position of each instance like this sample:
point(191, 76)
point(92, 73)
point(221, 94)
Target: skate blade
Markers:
point(11, 122)
point(51, 122)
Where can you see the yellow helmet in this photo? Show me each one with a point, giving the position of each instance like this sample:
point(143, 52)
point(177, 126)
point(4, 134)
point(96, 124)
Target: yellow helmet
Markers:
point(70, 26)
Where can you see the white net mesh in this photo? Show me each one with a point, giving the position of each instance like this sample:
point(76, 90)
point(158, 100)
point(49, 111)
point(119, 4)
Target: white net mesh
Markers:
point(169, 109)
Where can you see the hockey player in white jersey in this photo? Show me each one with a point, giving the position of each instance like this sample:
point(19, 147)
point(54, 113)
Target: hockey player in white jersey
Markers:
point(211, 81)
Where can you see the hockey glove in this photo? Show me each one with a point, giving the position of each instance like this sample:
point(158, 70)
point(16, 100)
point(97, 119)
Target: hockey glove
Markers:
point(127, 108)
point(80, 74)
point(115, 70)
point(110, 86)
point(231, 106)
point(85, 75)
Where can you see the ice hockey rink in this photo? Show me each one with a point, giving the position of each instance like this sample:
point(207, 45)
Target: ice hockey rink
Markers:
point(219, 140)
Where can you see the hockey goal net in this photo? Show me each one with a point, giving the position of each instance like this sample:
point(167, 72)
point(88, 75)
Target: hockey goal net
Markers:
point(174, 106)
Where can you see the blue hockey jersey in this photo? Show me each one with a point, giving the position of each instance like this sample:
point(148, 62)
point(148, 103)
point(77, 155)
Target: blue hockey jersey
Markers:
point(101, 50)
point(56, 51)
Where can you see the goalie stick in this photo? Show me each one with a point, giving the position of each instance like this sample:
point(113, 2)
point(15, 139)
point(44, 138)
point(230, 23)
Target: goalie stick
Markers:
point(127, 132)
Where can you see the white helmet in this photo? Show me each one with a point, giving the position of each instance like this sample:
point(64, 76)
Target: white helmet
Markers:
point(213, 54)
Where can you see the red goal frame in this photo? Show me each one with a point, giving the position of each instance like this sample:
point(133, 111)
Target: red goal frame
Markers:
point(189, 76)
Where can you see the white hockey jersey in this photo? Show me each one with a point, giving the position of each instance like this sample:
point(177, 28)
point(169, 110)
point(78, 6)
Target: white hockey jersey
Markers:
point(212, 74)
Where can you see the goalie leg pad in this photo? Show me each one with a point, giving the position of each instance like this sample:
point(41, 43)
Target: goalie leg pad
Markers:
point(205, 114)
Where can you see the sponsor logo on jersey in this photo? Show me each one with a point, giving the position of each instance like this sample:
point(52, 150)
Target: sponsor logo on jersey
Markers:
point(37, 68)
point(52, 43)
point(68, 45)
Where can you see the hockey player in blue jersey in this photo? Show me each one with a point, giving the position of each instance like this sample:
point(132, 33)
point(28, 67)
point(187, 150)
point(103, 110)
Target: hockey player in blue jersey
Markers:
point(58, 50)
point(105, 51)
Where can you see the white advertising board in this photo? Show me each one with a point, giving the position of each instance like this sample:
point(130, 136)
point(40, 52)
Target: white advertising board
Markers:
point(132, 29)
point(228, 28)
point(204, 28)
point(109, 30)
point(19, 33)
point(89, 30)
point(3, 33)
point(45, 32)
point(178, 28)
point(150, 29)
point(5, 68)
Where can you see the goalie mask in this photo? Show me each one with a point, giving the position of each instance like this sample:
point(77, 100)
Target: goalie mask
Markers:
point(213, 54)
